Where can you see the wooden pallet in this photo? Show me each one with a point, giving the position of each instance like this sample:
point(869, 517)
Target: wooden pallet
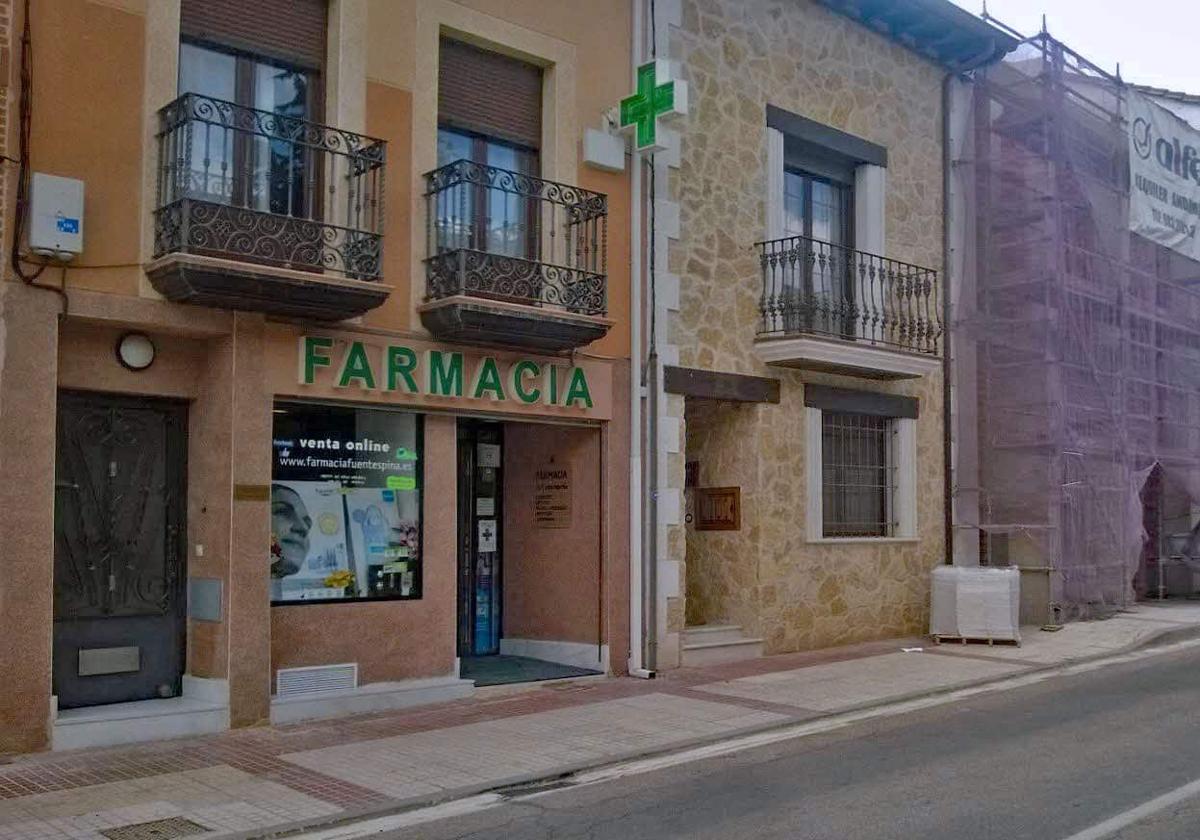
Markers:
point(977, 640)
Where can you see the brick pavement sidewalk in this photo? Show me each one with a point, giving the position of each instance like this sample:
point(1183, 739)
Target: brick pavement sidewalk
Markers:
point(247, 782)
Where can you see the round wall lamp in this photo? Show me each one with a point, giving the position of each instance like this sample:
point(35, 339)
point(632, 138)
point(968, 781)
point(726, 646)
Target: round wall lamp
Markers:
point(135, 351)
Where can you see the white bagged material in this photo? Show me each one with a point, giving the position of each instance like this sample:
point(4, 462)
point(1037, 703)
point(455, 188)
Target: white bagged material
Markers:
point(976, 602)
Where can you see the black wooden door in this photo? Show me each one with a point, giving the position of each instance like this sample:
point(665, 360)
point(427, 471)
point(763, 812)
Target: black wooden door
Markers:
point(118, 549)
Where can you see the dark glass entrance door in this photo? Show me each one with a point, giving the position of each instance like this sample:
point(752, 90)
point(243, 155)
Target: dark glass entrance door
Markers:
point(480, 461)
point(118, 549)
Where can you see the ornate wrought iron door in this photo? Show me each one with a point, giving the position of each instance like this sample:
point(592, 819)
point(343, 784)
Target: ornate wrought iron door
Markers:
point(118, 549)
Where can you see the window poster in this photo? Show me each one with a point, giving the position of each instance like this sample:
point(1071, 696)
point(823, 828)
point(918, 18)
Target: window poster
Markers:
point(345, 504)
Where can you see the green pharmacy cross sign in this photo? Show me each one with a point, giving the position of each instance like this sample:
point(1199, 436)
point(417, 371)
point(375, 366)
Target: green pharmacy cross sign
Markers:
point(658, 95)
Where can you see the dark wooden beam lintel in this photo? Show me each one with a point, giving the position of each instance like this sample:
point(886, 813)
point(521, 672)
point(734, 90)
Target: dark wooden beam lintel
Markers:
point(712, 385)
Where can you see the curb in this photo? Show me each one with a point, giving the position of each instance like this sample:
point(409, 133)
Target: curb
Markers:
point(519, 783)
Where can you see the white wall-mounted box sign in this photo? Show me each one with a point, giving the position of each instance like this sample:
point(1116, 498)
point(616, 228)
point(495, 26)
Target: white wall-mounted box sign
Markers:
point(55, 215)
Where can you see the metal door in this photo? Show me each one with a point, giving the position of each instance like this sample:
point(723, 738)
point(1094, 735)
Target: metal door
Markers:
point(479, 526)
point(118, 549)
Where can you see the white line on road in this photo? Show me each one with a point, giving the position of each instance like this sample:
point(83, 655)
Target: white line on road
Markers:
point(634, 767)
point(1134, 815)
point(392, 822)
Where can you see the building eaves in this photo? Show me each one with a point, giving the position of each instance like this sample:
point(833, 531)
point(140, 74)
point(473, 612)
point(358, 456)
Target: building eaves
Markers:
point(936, 29)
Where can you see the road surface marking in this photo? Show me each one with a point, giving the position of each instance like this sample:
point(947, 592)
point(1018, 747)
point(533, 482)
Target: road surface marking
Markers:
point(472, 804)
point(1135, 815)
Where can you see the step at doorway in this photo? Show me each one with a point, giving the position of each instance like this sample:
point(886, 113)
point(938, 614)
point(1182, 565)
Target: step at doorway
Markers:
point(504, 669)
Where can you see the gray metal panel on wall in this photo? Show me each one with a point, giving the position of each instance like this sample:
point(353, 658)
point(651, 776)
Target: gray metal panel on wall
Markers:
point(204, 599)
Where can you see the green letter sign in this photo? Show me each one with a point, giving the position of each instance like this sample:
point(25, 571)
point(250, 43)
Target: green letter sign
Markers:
point(356, 367)
point(658, 95)
point(445, 379)
point(399, 369)
point(312, 356)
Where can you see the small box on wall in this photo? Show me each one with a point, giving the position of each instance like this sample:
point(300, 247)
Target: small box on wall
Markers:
point(718, 508)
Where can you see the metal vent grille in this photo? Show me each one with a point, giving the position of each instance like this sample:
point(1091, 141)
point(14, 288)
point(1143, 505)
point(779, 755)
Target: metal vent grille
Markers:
point(317, 679)
point(167, 829)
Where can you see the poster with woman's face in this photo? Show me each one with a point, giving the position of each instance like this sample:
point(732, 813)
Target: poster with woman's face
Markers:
point(308, 538)
point(345, 504)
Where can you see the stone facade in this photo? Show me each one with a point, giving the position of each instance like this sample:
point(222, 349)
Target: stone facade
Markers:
point(738, 56)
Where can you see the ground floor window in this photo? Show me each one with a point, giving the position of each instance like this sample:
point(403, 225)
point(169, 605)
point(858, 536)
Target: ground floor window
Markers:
point(858, 468)
point(862, 464)
point(346, 489)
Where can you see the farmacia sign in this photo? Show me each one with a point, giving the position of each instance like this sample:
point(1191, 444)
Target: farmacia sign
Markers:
point(440, 373)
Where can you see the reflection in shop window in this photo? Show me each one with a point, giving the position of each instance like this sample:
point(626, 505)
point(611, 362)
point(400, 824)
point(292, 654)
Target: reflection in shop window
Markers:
point(345, 504)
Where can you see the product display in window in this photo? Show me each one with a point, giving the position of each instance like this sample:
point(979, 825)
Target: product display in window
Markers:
point(345, 504)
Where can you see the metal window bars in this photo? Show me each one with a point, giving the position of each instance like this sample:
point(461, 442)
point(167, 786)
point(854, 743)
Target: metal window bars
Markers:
point(815, 287)
point(499, 234)
point(266, 187)
point(858, 475)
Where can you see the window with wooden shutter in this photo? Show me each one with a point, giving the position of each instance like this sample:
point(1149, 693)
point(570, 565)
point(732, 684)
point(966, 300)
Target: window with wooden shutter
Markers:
point(290, 30)
point(490, 94)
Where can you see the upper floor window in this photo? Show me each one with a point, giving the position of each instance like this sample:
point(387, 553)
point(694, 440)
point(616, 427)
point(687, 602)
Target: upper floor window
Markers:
point(264, 56)
point(817, 207)
point(823, 205)
point(490, 113)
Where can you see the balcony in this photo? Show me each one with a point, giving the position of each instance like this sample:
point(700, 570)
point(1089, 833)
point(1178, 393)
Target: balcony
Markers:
point(264, 212)
point(514, 259)
point(830, 308)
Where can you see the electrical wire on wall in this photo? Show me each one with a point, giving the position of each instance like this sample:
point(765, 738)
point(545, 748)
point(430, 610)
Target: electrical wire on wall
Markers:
point(24, 126)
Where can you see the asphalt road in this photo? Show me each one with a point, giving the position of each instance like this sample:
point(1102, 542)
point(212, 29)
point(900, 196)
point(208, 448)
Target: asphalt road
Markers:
point(1046, 762)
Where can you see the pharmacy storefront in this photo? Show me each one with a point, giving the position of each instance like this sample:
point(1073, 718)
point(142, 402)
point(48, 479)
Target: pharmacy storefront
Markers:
point(322, 522)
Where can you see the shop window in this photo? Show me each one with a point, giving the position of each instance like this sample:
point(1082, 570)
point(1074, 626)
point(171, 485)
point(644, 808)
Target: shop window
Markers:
point(346, 501)
point(861, 464)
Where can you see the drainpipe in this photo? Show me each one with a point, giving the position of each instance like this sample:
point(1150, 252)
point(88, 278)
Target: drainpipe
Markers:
point(947, 391)
point(637, 561)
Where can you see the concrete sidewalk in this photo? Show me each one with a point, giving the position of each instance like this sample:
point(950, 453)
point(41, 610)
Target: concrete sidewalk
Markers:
point(252, 782)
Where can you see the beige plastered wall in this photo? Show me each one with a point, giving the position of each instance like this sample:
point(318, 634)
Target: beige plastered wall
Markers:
point(552, 585)
point(583, 49)
point(99, 126)
point(738, 56)
point(381, 79)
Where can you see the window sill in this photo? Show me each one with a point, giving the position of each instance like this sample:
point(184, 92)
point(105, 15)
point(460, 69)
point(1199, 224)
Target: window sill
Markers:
point(859, 540)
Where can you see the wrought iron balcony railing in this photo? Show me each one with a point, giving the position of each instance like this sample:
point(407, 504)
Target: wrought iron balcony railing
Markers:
point(815, 287)
point(508, 236)
point(268, 188)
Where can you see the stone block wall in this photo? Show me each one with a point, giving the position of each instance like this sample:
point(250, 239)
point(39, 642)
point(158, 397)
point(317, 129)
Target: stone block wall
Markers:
point(738, 56)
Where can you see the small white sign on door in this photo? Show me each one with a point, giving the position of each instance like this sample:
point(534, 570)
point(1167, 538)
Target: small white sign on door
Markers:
point(487, 535)
point(488, 455)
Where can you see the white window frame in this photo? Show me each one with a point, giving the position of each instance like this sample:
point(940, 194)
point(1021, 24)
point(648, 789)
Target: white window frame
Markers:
point(869, 200)
point(904, 493)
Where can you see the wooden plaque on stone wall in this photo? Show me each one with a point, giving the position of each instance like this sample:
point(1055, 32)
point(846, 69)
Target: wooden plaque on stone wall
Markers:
point(718, 508)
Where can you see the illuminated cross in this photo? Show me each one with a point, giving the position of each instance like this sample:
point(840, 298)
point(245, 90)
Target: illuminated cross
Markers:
point(654, 99)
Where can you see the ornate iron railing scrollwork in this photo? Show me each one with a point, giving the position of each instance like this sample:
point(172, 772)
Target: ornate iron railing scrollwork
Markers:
point(815, 287)
point(510, 236)
point(269, 188)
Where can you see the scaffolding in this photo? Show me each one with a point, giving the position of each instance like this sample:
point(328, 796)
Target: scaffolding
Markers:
point(1076, 344)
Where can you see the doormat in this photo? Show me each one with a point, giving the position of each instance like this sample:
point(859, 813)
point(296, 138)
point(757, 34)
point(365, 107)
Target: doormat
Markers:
point(167, 829)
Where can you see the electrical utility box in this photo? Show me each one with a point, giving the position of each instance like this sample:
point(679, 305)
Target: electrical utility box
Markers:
point(55, 216)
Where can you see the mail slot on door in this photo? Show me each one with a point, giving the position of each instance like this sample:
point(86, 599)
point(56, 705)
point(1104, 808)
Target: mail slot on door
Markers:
point(94, 662)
